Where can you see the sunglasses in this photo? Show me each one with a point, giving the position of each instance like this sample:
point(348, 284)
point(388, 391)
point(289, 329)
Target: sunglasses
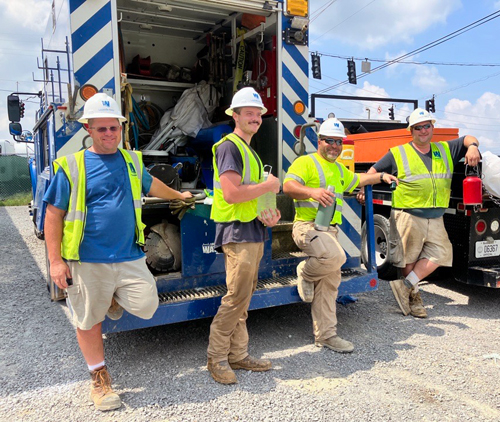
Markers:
point(427, 126)
point(104, 129)
point(331, 141)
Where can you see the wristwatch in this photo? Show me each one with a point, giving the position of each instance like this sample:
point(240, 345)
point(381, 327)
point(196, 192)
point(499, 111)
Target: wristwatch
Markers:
point(382, 176)
point(473, 144)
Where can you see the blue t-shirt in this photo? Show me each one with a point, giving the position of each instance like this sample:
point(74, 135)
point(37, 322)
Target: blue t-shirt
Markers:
point(109, 234)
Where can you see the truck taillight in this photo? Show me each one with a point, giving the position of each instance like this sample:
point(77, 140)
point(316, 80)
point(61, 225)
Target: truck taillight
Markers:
point(296, 131)
point(480, 226)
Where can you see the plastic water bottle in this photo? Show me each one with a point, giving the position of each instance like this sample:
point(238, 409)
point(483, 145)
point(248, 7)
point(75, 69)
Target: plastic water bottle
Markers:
point(325, 214)
point(268, 200)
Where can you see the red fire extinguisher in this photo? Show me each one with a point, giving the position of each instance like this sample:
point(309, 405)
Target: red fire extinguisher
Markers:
point(473, 188)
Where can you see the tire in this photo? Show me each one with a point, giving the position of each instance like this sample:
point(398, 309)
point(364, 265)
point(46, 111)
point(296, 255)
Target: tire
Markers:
point(385, 269)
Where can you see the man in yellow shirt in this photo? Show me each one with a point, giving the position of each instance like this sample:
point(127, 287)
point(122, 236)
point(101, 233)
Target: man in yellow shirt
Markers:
point(307, 182)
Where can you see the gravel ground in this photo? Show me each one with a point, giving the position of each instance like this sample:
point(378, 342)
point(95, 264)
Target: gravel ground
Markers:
point(403, 369)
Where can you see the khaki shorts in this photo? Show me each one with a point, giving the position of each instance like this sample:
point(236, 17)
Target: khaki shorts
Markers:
point(414, 238)
point(94, 285)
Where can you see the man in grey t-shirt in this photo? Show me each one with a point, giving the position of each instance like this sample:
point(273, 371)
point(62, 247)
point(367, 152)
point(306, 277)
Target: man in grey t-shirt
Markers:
point(419, 243)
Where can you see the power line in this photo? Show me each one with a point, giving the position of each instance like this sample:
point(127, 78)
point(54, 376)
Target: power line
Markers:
point(318, 12)
point(428, 46)
point(349, 17)
point(412, 62)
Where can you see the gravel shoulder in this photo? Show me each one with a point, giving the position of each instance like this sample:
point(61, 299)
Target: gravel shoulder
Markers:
point(403, 369)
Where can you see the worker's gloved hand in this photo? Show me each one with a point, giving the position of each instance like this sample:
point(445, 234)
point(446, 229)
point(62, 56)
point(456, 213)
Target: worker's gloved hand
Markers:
point(180, 207)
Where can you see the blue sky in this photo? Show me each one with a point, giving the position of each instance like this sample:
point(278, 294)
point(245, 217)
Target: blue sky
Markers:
point(466, 97)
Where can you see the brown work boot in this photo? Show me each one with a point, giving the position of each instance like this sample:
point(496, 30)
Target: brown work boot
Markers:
point(115, 311)
point(101, 393)
point(417, 305)
point(221, 372)
point(402, 294)
point(252, 364)
point(305, 288)
point(336, 344)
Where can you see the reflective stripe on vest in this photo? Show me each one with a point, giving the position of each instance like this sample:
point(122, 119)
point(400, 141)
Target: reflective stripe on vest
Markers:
point(418, 187)
point(252, 173)
point(74, 220)
point(306, 209)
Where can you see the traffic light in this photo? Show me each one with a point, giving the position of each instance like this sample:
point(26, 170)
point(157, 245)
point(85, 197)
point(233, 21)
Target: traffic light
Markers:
point(351, 71)
point(316, 66)
point(430, 106)
point(21, 109)
point(391, 113)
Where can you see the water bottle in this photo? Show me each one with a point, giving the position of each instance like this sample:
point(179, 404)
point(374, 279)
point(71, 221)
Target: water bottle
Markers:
point(325, 214)
point(268, 200)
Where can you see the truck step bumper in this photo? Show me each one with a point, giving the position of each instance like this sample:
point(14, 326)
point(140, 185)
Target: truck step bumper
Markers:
point(487, 277)
point(196, 303)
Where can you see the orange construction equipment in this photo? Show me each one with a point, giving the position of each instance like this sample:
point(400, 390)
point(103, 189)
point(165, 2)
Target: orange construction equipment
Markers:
point(371, 147)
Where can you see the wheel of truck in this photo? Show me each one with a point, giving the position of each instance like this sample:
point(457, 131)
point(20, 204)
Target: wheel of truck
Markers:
point(385, 269)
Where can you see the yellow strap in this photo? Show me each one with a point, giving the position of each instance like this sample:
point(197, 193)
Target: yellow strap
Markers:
point(126, 90)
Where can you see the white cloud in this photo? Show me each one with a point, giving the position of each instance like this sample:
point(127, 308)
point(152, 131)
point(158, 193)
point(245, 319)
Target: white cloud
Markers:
point(30, 14)
point(428, 79)
point(380, 23)
point(480, 119)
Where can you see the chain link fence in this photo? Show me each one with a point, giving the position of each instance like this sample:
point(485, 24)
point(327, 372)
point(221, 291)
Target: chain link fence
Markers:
point(14, 176)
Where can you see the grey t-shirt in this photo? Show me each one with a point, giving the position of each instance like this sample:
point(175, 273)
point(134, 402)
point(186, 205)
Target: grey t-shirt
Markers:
point(228, 158)
point(388, 164)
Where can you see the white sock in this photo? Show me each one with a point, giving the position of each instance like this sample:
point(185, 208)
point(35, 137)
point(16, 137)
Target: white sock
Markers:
point(413, 278)
point(97, 366)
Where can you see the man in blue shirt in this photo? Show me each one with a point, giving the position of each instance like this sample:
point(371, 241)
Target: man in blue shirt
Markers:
point(93, 234)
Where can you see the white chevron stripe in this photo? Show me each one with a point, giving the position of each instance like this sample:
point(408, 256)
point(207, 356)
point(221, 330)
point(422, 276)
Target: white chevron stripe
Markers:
point(304, 50)
point(92, 47)
point(85, 12)
point(350, 248)
point(74, 144)
point(294, 68)
point(288, 154)
point(103, 76)
point(351, 216)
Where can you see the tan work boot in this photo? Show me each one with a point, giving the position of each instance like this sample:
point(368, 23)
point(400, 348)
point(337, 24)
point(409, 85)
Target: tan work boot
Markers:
point(221, 372)
point(305, 288)
point(417, 305)
point(402, 294)
point(252, 364)
point(101, 393)
point(115, 311)
point(336, 344)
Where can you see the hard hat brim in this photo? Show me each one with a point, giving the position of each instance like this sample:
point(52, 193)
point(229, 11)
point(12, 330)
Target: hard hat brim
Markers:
point(433, 121)
point(84, 119)
point(229, 111)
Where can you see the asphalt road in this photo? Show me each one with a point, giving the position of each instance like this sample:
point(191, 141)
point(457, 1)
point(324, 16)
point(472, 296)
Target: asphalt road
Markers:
point(444, 368)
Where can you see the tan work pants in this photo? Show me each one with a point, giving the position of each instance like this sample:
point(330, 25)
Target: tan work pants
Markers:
point(322, 267)
point(228, 333)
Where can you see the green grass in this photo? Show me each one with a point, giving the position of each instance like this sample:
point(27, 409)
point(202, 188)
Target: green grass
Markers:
point(18, 199)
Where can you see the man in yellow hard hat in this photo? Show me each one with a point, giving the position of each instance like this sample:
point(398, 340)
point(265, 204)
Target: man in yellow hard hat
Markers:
point(419, 243)
point(240, 235)
point(94, 233)
point(307, 182)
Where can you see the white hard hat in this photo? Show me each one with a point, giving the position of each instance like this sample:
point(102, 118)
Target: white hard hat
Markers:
point(101, 106)
point(246, 97)
point(332, 127)
point(420, 115)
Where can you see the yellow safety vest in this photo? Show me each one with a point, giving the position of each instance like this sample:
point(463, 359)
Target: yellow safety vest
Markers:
point(306, 209)
point(74, 221)
point(253, 171)
point(418, 187)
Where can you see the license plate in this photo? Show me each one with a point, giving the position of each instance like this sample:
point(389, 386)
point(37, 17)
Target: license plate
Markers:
point(486, 249)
